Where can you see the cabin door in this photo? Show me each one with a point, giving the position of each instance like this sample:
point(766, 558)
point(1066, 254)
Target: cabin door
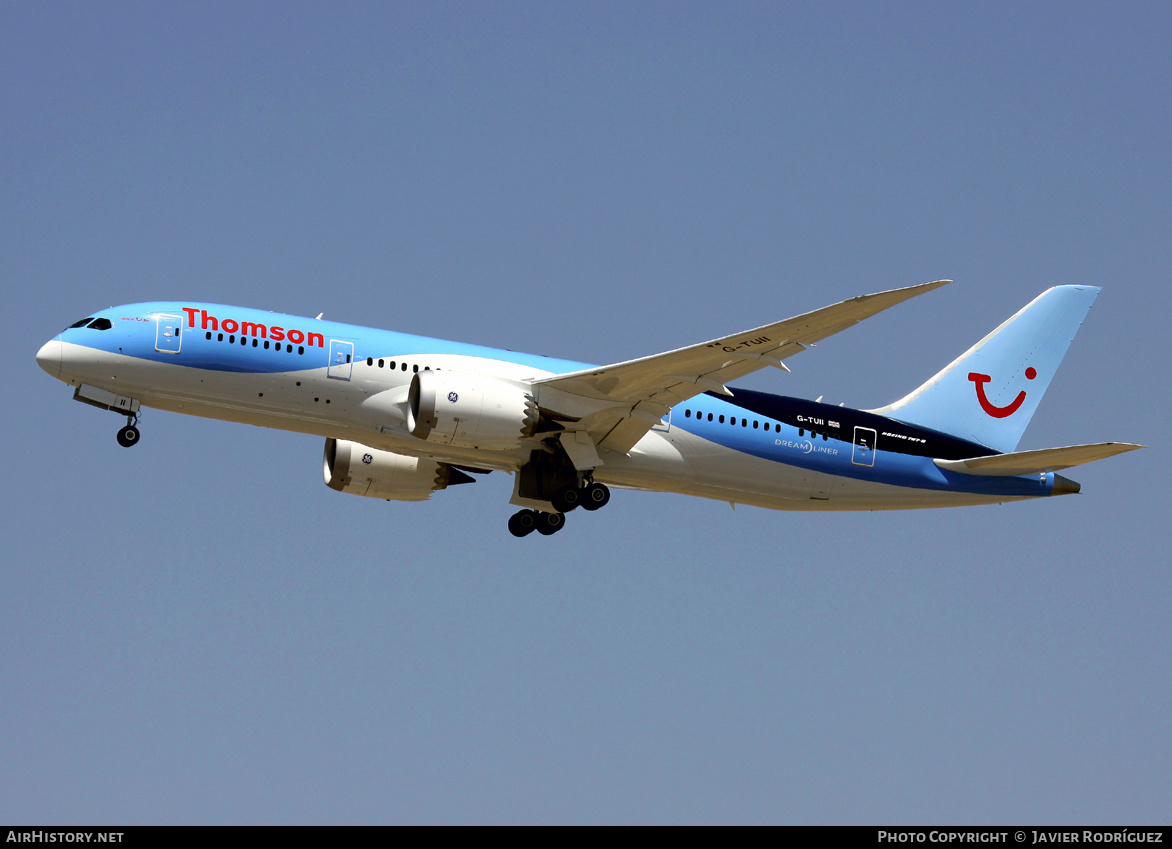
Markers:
point(168, 330)
point(863, 453)
point(341, 359)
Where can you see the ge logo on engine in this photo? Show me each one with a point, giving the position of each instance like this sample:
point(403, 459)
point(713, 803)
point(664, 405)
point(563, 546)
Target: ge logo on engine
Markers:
point(453, 397)
point(367, 459)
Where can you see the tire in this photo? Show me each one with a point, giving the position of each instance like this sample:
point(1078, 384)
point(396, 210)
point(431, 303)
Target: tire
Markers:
point(522, 523)
point(566, 499)
point(595, 496)
point(550, 523)
point(128, 436)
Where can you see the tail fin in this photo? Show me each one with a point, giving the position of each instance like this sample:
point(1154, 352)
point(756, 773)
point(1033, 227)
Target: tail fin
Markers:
point(991, 391)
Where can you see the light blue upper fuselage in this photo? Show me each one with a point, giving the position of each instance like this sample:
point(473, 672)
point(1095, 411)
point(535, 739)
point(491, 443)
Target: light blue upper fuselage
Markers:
point(134, 329)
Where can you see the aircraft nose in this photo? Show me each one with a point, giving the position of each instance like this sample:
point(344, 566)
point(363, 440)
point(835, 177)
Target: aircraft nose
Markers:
point(49, 357)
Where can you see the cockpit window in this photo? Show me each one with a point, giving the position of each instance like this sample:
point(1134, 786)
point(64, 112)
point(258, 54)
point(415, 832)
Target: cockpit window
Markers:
point(93, 323)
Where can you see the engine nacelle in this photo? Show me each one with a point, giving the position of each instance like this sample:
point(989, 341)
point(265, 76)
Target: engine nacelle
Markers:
point(472, 412)
point(361, 470)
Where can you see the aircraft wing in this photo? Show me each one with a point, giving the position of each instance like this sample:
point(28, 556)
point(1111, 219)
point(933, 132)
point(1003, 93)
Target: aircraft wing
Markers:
point(636, 394)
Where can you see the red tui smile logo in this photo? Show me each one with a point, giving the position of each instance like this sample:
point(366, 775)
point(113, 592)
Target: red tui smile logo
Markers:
point(999, 412)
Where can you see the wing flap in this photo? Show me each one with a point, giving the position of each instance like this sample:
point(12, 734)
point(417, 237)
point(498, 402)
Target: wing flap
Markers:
point(1035, 462)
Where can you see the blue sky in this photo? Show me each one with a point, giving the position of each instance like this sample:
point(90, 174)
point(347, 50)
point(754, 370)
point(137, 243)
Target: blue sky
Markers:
point(199, 630)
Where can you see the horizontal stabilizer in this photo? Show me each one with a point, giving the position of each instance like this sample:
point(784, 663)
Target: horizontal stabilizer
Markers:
point(1036, 462)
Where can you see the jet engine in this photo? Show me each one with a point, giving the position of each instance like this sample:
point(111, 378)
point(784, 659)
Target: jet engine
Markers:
point(361, 470)
point(450, 408)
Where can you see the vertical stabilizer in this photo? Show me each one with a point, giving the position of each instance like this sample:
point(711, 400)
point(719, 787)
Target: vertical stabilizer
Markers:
point(990, 393)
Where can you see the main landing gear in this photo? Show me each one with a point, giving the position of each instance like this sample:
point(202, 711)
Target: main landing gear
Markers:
point(524, 522)
point(589, 497)
point(128, 435)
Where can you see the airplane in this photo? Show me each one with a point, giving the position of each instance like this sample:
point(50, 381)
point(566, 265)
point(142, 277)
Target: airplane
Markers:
point(405, 416)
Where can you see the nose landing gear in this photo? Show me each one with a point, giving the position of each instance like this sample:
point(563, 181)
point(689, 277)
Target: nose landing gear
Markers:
point(128, 435)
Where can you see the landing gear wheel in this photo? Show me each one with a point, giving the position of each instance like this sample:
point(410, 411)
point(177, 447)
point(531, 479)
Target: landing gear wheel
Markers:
point(566, 499)
point(128, 436)
point(594, 496)
point(550, 523)
point(523, 522)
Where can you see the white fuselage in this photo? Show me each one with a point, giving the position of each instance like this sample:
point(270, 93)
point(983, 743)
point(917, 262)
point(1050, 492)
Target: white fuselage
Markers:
point(368, 406)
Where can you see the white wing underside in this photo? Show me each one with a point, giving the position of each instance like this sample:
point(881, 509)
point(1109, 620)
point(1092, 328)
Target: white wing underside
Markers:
point(617, 404)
